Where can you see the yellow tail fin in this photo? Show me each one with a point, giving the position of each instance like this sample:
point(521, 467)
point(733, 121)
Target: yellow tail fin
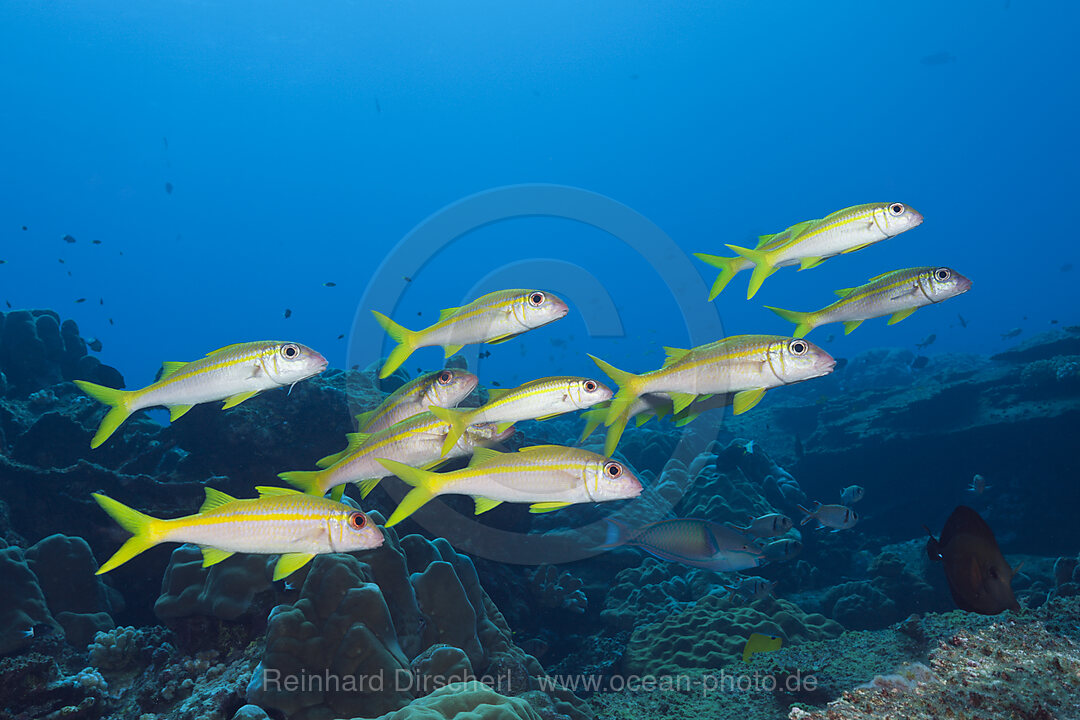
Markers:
point(425, 486)
point(804, 321)
point(459, 423)
point(728, 268)
point(627, 393)
point(405, 339)
point(117, 399)
point(309, 481)
point(143, 529)
point(763, 267)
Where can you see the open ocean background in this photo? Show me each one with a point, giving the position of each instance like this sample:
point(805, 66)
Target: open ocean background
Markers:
point(301, 141)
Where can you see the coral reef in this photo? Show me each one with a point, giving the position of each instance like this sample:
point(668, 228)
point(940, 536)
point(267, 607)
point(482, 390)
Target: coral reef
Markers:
point(560, 590)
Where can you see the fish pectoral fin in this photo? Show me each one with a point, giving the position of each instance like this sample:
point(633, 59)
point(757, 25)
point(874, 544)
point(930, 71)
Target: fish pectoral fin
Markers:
point(212, 555)
point(856, 248)
point(843, 292)
point(503, 427)
point(451, 349)
point(680, 401)
point(674, 355)
point(545, 417)
point(747, 399)
point(444, 314)
point(290, 563)
point(234, 400)
point(169, 367)
point(501, 339)
point(543, 507)
point(810, 262)
point(364, 418)
point(177, 411)
point(851, 325)
point(484, 504)
point(897, 317)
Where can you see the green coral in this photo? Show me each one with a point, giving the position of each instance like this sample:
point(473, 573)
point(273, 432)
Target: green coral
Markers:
point(713, 632)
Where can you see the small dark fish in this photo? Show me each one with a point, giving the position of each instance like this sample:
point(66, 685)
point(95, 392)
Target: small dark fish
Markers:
point(61, 260)
point(168, 188)
point(3, 262)
point(1011, 333)
point(329, 284)
point(406, 278)
point(94, 344)
point(165, 142)
point(341, 336)
point(101, 301)
point(80, 300)
point(419, 313)
point(841, 363)
point(111, 321)
point(288, 313)
point(1053, 322)
point(95, 242)
point(68, 239)
point(495, 383)
point(979, 577)
point(942, 58)
point(8, 304)
point(963, 322)
point(355, 367)
point(23, 227)
point(920, 362)
point(926, 341)
point(830, 338)
point(1064, 268)
point(69, 273)
point(378, 108)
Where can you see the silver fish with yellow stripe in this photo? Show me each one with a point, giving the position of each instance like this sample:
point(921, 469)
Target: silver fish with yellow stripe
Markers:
point(418, 440)
point(548, 477)
point(898, 293)
point(810, 243)
point(743, 365)
point(654, 405)
point(492, 318)
point(535, 400)
point(280, 520)
point(442, 388)
point(234, 374)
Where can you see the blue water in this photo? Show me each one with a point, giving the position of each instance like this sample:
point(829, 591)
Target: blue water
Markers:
point(302, 141)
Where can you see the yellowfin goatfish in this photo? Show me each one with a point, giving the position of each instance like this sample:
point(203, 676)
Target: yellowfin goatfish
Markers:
point(233, 374)
point(898, 293)
point(492, 318)
point(442, 388)
point(535, 400)
point(810, 243)
point(548, 477)
point(415, 441)
point(837, 517)
point(280, 520)
point(697, 543)
point(746, 365)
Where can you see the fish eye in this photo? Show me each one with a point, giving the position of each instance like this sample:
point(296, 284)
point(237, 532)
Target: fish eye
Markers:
point(590, 386)
point(798, 347)
point(445, 377)
point(357, 520)
point(896, 209)
point(536, 299)
point(942, 274)
point(613, 470)
point(290, 351)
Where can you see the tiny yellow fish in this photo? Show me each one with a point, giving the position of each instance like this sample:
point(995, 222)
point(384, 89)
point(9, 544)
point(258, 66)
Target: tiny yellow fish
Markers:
point(234, 374)
point(280, 520)
point(492, 318)
point(758, 643)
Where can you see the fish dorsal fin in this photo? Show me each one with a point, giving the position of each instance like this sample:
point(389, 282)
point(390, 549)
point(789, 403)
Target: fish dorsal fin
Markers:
point(364, 418)
point(169, 367)
point(496, 393)
point(764, 239)
point(227, 348)
point(844, 292)
point(271, 491)
point(356, 439)
point(215, 499)
point(483, 455)
point(674, 355)
point(878, 277)
point(534, 448)
point(799, 228)
point(443, 314)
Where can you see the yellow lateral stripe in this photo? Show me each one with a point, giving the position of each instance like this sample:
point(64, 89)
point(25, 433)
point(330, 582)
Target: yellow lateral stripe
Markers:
point(523, 393)
point(213, 365)
point(837, 223)
point(402, 434)
point(501, 304)
point(241, 517)
point(869, 290)
point(481, 470)
point(709, 360)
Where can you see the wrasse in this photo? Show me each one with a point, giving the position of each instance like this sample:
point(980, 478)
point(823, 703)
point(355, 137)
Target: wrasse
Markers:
point(442, 388)
point(744, 365)
point(492, 318)
point(898, 293)
point(280, 520)
point(233, 374)
point(689, 541)
point(808, 244)
point(535, 400)
point(548, 477)
point(416, 441)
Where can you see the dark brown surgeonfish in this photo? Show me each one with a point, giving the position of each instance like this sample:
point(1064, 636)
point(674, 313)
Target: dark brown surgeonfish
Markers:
point(979, 578)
